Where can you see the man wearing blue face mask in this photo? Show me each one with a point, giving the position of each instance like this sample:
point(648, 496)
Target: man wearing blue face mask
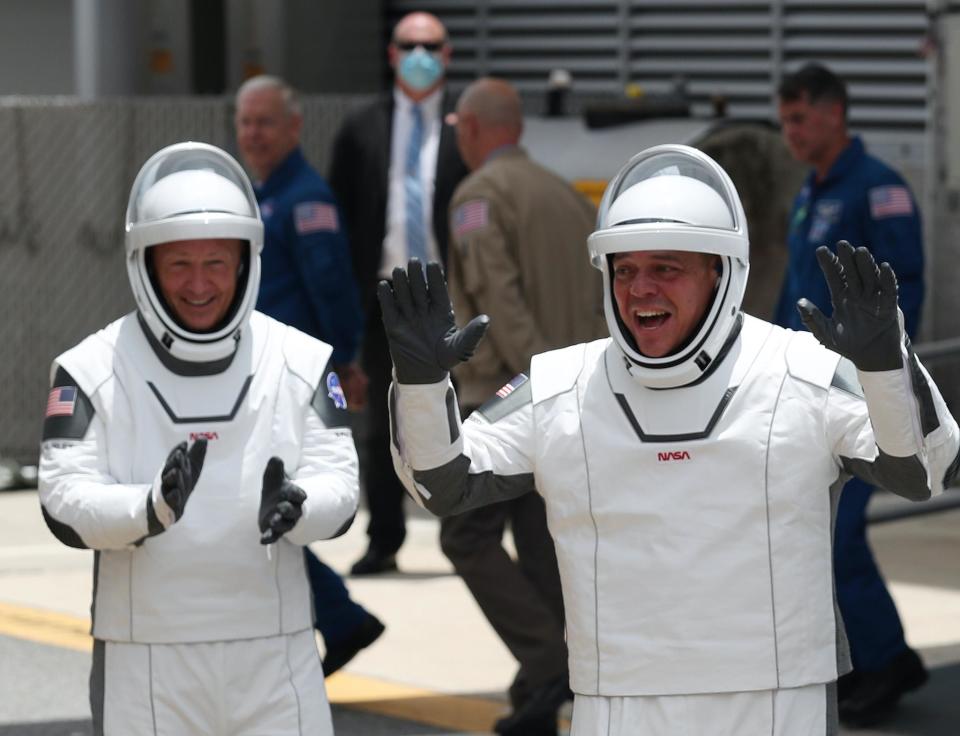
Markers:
point(394, 168)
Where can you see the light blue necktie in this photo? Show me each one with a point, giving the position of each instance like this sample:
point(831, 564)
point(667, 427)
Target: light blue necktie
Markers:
point(413, 189)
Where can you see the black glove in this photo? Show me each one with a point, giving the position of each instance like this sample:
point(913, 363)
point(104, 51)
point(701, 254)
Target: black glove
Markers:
point(281, 503)
point(865, 326)
point(424, 340)
point(179, 477)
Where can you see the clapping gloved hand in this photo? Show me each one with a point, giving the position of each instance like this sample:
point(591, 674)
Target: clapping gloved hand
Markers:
point(281, 503)
point(425, 343)
point(177, 480)
point(866, 325)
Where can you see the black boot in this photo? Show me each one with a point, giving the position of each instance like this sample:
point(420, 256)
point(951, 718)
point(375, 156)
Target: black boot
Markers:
point(537, 714)
point(874, 695)
point(374, 562)
point(341, 652)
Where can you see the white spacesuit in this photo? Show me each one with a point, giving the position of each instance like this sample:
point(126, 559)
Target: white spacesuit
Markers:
point(199, 628)
point(690, 496)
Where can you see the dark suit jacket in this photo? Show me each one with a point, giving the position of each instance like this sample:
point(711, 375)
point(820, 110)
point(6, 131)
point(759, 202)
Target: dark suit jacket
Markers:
point(359, 173)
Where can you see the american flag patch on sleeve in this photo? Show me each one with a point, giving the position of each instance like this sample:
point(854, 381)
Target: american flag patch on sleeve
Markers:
point(470, 216)
point(61, 401)
point(315, 217)
point(513, 396)
point(512, 385)
point(890, 201)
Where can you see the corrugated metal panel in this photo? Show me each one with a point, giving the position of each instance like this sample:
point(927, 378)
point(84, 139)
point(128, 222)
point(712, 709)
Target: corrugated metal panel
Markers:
point(716, 49)
point(529, 39)
point(876, 46)
point(735, 49)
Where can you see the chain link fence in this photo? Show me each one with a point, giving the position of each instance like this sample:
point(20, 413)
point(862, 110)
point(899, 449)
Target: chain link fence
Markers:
point(66, 168)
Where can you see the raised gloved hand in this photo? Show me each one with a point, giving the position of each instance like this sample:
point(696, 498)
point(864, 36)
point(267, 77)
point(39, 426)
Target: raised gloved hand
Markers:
point(425, 343)
point(281, 503)
point(865, 326)
point(177, 480)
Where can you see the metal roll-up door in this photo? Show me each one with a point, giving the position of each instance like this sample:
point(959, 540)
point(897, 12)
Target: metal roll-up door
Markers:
point(716, 50)
point(877, 46)
point(526, 40)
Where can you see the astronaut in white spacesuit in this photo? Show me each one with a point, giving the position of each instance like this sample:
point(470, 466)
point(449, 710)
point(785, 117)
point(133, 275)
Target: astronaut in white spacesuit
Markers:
point(690, 463)
point(196, 445)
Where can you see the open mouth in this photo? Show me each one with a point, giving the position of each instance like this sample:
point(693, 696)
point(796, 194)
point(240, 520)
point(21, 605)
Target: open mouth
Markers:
point(651, 320)
point(199, 303)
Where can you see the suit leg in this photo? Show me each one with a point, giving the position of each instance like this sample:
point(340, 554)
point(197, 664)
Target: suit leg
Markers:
point(869, 614)
point(515, 608)
point(336, 615)
point(536, 554)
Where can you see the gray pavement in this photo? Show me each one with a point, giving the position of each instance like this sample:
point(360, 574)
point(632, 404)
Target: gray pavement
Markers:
point(41, 682)
point(345, 721)
point(439, 668)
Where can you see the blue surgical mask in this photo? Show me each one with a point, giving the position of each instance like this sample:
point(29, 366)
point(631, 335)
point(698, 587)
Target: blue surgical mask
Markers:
point(420, 69)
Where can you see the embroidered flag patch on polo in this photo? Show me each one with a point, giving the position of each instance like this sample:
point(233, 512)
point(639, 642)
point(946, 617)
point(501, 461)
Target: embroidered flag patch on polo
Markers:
point(890, 201)
point(470, 216)
point(315, 217)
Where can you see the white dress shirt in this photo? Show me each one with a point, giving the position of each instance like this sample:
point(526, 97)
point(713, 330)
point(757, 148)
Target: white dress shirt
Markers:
point(395, 240)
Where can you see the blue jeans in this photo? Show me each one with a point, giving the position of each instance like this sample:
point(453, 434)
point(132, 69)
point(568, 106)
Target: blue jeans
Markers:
point(336, 616)
point(869, 614)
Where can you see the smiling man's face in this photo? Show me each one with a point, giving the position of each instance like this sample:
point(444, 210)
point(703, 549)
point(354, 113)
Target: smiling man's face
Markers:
point(198, 279)
point(662, 296)
point(266, 130)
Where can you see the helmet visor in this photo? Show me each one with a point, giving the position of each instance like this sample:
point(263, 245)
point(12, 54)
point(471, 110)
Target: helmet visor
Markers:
point(670, 186)
point(189, 179)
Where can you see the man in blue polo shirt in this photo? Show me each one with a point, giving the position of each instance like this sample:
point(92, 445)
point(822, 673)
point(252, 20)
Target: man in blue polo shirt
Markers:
point(850, 195)
point(306, 281)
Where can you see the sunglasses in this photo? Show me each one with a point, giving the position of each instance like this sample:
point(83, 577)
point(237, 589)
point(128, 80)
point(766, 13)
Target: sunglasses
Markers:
point(431, 46)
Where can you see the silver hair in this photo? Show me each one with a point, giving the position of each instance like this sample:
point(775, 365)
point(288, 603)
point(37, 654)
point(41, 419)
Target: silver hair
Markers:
point(291, 100)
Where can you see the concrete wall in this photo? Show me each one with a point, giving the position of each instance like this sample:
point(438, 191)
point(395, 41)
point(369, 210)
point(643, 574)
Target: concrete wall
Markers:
point(102, 48)
point(256, 39)
point(162, 51)
point(335, 46)
point(36, 47)
point(319, 47)
point(110, 53)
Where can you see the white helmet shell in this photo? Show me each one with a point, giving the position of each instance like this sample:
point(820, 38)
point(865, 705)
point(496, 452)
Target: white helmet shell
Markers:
point(192, 191)
point(675, 198)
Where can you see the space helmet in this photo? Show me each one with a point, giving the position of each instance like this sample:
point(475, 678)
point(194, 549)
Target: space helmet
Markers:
point(675, 198)
point(191, 191)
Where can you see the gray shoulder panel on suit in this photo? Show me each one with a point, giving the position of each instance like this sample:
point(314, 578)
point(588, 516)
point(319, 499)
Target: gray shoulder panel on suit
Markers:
point(845, 378)
point(514, 395)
